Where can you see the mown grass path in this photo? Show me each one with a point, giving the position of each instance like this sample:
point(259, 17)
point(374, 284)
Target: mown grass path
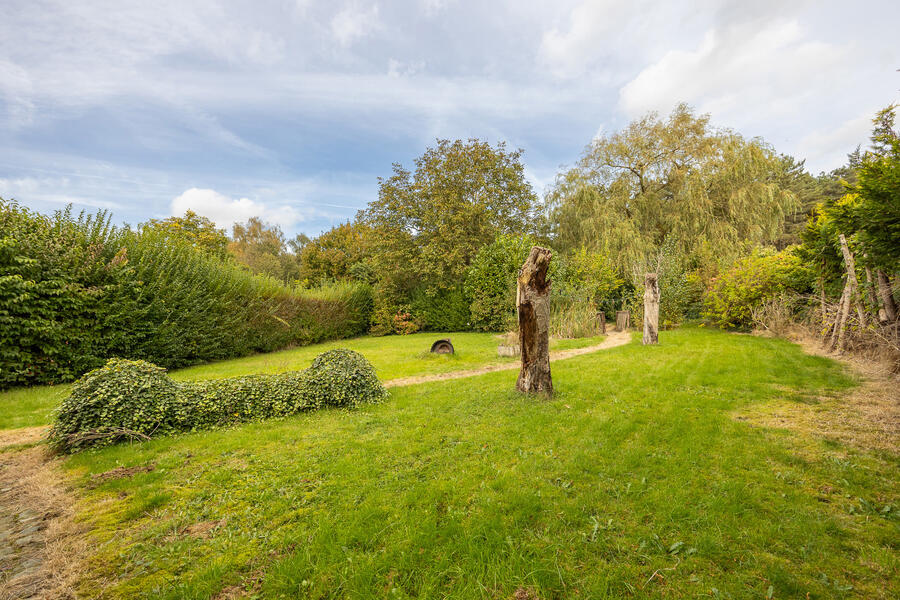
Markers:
point(616, 338)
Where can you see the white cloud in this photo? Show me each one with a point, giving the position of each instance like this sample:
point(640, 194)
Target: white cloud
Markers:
point(740, 68)
point(226, 211)
point(354, 22)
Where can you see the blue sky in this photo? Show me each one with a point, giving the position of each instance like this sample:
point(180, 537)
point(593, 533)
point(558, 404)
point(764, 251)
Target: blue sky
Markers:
point(291, 109)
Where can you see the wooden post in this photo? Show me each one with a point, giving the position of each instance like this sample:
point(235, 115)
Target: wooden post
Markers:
point(533, 308)
point(602, 318)
point(851, 280)
point(651, 309)
point(840, 321)
point(623, 320)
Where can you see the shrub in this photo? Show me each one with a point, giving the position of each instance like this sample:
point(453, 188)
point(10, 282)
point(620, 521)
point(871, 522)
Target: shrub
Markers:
point(441, 310)
point(341, 378)
point(733, 296)
point(490, 284)
point(75, 291)
point(120, 399)
point(136, 399)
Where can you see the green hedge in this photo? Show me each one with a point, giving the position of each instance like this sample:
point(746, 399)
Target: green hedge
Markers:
point(128, 399)
point(75, 291)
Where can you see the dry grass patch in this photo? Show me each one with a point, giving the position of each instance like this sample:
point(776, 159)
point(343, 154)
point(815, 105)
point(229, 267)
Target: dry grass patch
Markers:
point(42, 545)
point(10, 438)
point(867, 417)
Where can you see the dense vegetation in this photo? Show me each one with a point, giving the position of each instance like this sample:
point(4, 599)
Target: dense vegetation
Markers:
point(136, 400)
point(75, 291)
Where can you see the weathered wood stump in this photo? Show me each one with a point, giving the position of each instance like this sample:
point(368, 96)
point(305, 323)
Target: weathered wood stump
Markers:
point(623, 320)
point(651, 309)
point(533, 309)
point(601, 316)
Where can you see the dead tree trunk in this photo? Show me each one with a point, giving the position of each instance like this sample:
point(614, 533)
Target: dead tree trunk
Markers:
point(887, 296)
point(840, 321)
point(851, 280)
point(651, 309)
point(623, 320)
point(533, 308)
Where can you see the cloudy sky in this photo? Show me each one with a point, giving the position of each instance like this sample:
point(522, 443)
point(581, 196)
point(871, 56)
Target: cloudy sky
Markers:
point(291, 109)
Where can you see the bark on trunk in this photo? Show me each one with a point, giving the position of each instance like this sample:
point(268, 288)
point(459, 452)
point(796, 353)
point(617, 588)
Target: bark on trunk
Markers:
point(851, 280)
point(887, 297)
point(651, 309)
point(533, 308)
point(623, 320)
point(840, 321)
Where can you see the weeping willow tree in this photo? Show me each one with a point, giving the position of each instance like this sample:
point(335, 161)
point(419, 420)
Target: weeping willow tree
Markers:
point(676, 183)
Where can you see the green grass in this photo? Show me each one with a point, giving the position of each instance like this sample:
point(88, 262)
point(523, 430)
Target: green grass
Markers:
point(29, 407)
point(393, 357)
point(634, 481)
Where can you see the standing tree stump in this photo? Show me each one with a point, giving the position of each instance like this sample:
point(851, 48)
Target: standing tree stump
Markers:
point(533, 309)
point(623, 320)
point(651, 309)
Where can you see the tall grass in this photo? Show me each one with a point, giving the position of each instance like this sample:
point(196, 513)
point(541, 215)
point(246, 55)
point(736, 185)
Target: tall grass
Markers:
point(574, 316)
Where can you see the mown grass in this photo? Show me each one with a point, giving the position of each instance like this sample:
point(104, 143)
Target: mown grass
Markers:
point(635, 481)
point(393, 357)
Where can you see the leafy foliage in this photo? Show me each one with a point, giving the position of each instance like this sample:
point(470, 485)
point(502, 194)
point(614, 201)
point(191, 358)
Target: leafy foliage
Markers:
point(262, 249)
point(198, 230)
point(430, 223)
point(338, 254)
point(877, 214)
point(490, 284)
point(677, 179)
point(75, 291)
point(135, 398)
point(751, 282)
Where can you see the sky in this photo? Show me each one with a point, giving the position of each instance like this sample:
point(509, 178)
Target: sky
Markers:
point(291, 109)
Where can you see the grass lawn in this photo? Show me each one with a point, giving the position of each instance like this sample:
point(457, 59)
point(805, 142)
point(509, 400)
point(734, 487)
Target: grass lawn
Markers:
point(635, 480)
point(393, 357)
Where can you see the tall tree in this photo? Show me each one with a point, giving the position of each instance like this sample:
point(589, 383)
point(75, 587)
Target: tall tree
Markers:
point(339, 253)
point(677, 180)
point(261, 248)
point(877, 213)
point(196, 229)
point(431, 222)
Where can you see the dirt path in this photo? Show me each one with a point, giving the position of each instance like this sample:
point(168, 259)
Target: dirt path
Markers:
point(613, 339)
point(40, 543)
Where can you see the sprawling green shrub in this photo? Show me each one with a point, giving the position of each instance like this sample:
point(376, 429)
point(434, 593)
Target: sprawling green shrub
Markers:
point(75, 291)
point(752, 281)
point(136, 399)
point(124, 398)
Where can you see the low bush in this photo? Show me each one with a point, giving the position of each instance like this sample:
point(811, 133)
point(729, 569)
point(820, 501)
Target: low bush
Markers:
point(128, 399)
point(753, 281)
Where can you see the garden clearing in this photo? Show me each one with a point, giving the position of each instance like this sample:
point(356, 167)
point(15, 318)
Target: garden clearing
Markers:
point(635, 480)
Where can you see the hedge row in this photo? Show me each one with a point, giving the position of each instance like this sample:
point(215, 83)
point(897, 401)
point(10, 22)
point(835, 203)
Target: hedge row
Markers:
point(136, 399)
point(75, 291)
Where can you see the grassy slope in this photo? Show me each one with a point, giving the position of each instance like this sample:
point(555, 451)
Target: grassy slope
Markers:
point(393, 357)
point(634, 481)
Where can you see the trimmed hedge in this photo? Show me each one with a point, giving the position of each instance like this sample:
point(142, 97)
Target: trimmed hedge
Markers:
point(133, 399)
point(75, 291)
